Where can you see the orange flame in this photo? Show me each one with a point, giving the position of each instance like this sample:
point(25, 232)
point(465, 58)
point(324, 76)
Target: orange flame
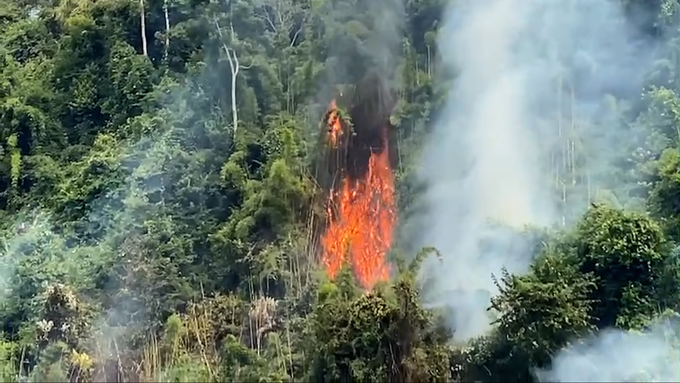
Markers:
point(361, 225)
point(334, 126)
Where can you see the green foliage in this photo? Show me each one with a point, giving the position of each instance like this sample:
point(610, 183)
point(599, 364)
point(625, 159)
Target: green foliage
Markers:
point(545, 309)
point(145, 240)
point(378, 336)
point(665, 193)
point(626, 254)
point(8, 362)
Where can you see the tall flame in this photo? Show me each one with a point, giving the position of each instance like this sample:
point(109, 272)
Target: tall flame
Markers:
point(361, 215)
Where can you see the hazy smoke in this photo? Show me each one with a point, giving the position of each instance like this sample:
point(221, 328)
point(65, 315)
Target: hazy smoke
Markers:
point(39, 252)
point(529, 74)
point(364, 36)
point(619, 356)
point(364, 39)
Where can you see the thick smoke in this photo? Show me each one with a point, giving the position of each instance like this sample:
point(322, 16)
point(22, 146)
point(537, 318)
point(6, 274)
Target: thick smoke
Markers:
point(364, 38)
point(512, 146)
point(620, 356)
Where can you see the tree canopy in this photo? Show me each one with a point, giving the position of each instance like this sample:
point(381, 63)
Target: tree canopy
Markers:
point(161, 204)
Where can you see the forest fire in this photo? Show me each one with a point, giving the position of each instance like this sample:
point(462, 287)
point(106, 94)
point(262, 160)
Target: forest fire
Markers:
point(334, 125)
point(361, 200)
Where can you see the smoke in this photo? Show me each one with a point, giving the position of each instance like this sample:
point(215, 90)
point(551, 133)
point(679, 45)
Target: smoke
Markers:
point(525, 137)
point(363, 38)
point(100, 251)
point(29, 234)
point(620, 356)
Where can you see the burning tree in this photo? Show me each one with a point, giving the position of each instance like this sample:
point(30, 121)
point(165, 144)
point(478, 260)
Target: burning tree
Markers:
point(361, 197)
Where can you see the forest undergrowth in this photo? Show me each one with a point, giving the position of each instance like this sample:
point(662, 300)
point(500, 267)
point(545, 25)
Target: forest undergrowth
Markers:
point(172, 201)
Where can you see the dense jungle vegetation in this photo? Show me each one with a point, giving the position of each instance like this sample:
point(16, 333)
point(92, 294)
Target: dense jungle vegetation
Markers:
point(157, 194)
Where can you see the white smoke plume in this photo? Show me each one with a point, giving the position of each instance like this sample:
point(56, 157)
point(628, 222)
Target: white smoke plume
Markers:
point(620, 356)
point(520, 67)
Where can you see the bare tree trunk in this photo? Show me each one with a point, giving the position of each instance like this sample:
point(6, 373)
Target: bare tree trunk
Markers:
point(167, 30)
point(559, 128)
point(573, 163)
point(291, 96)
point(590, 195)
point(234, 67)
point(574, 135)
point(429, 71)
point(564, 203)
point(563, 142)
point(417, 68)
point(145, 48)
